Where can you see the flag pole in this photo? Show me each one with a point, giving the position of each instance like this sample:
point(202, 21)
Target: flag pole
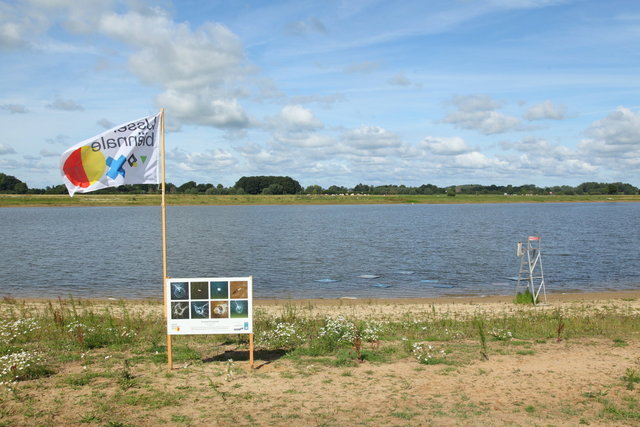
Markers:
point(164, 238)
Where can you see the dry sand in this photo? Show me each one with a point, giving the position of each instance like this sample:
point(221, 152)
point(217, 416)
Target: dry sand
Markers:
point(462, 307)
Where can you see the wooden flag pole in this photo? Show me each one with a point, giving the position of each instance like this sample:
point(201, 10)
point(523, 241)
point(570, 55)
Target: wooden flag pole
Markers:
point(164, 239)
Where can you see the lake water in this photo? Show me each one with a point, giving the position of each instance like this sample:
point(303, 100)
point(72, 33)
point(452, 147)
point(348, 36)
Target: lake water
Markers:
point(318, 251)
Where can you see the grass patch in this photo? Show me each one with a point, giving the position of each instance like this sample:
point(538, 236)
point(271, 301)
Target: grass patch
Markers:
point(525, 297)
point(619, 342)
point(631, 377)
point(404, 415)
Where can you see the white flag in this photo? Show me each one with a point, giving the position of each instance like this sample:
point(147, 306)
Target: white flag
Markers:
point(126, 154)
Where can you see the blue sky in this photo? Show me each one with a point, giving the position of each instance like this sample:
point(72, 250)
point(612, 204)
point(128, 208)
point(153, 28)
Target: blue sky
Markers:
point(336, 92)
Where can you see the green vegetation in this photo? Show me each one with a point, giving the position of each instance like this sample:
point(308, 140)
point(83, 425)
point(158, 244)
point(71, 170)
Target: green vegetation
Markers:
point(267, 185)
point(631, 377)
point(94, 199)
point(91, 350)
point(279, 185)
point(525, 297)
point(11, 184)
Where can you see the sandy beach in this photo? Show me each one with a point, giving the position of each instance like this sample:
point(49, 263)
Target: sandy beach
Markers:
point(462, 306)
point(583, 370)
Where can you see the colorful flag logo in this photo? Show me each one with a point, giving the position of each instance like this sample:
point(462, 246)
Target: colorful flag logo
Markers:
point(126, 154)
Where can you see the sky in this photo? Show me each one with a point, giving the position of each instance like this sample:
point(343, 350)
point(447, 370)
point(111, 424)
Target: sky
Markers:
point(333, 92)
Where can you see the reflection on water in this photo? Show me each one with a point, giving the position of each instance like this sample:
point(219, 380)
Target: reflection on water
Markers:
point(317, 251)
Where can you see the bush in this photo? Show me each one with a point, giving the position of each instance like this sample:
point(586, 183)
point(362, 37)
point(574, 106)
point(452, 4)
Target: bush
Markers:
point(23, 365)
point(525, 297)
point(283, 336)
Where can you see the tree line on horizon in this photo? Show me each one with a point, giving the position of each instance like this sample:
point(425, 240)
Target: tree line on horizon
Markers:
point(287, 185)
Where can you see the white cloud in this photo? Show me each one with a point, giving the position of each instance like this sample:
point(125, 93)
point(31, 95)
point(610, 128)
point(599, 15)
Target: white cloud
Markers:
point(172, 54)
point(48, 153)
point(618, 130)
point(16, 27)
point(551, 166)
point(472, 103)
point(371, 138)
point(309, 26)
point(82, 17)
point(59, 139)
point(614, 141)
point(546, 110)
point(302, 139)
point(267, 89)
point(541, 158)
point(192, 108)
point(264, 160)
point(445, 145)
point(65, 105)
point(476, 160)
point(296, 126)
point(297, 117)
point(5, 149)
point(23, 25)
point(399, 80)
point(15, 108)
point(211, 160)
point(196, 68)
point(477, 112)
point(540, 147)
point(324, 100)
point(107, 124)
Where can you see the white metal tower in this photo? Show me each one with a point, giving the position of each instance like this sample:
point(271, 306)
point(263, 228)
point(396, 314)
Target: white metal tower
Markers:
point(531, 269)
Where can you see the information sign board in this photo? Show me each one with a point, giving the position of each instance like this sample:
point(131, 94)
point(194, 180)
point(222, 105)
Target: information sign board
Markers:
point(210, 305)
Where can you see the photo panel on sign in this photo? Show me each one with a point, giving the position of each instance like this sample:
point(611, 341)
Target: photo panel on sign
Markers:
point(180, 310)
point(179, 290)
point(220, 309)
point(219, 290)
point(199, 290)
point(239, 289)
point(199, 309)
point(239, 308)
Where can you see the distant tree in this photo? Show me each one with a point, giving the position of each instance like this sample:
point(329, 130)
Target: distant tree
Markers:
point(58, 189)
point(362, 188)
point(334, 189)
point(428, 189)
point(313, 189)
point(20, 188)
point(8, 183)
point(256, 184)
point(274, 189)
point(170, 188)
point(625, 188)
point(187, 186)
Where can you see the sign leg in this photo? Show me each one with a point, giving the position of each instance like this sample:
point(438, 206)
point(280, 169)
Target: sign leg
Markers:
point(169, 353)
point(251, 351)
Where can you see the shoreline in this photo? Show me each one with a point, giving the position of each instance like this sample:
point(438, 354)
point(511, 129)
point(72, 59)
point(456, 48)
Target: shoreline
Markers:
point(104, 200)
point(561, 297)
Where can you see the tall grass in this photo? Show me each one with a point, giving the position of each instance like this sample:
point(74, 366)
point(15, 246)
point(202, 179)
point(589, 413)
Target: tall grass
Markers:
point(62, 331)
